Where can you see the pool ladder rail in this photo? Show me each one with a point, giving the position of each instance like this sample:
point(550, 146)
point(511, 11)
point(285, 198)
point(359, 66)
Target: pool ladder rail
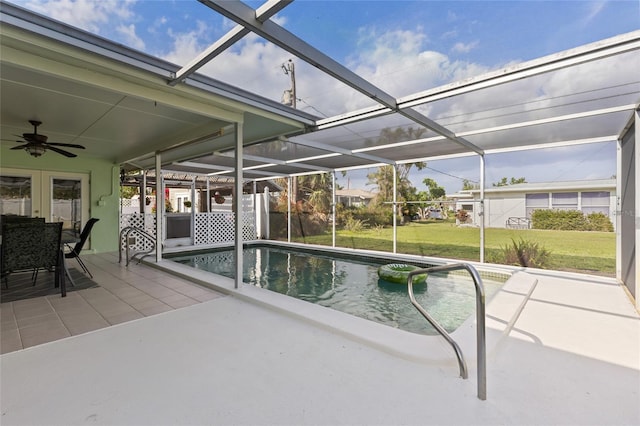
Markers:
point(125, 234)
point(480, 321)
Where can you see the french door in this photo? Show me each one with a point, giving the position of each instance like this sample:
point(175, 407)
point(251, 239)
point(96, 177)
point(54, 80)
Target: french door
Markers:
point(56, 196)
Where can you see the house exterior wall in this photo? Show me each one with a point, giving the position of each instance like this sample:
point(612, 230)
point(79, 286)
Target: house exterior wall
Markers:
point(499, 208)
point(104, 189)
point(501, 205)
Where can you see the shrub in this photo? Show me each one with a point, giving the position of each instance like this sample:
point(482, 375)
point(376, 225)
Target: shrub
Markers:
point(462, 216)
point(307, 223)
point(525, 253)
point(354, 225)
point(302, 224)
point(599, 222)
point(565, 220)
point(371, 216)
point(570, 220)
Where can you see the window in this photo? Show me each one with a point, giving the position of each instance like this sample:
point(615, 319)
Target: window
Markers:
point(15, 195)
point(595, 202)
point(535, 202)
point(564, 200)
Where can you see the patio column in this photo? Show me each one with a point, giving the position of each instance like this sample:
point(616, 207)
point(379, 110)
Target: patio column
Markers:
point(159, 206)
point(141, 200)
point(208, 203)
point(193, 210)
point(238, 205)
point(395, 209)
point(289, 209)
point(143, 194)
point(333, 208)
point(481, 207)
point(265, 209)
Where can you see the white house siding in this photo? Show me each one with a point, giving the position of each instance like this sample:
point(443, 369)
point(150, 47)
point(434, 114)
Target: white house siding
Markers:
point(510, 201)
point(503, 206)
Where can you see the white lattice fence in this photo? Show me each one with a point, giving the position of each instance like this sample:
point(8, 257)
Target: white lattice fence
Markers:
point(218, 227)
point(210, 228)
point(148, 224)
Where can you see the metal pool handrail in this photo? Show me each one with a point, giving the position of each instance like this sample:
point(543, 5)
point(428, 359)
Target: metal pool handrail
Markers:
point(125, 233)
point(480, 322)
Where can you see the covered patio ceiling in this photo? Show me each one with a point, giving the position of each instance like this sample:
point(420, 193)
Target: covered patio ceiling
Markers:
point(127, 106)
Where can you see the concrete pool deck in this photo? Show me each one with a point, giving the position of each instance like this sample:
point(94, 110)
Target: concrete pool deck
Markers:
point(571, 357)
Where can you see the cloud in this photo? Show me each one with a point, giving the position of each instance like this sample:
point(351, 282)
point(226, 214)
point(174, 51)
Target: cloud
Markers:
point(93, 16)
point(398, 61)
point(132, 39)
point(464, 48)
point(186, 45)
point(157, 25)
point(593, 11)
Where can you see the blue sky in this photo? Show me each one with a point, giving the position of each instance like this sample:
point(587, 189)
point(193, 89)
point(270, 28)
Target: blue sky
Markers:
point(402, 46)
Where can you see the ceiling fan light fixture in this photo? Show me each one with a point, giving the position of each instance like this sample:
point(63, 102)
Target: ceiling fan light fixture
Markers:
point(35, 150)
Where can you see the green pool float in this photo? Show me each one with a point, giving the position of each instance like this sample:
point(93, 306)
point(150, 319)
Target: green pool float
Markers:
point(399, 273)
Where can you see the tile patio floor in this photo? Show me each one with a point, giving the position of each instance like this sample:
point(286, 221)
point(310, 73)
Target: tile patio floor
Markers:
point(124, 294)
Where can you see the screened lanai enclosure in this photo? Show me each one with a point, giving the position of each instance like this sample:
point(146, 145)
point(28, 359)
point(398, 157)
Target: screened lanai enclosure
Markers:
point(212, 141)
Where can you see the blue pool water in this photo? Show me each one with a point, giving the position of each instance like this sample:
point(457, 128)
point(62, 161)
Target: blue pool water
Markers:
point(349, 285)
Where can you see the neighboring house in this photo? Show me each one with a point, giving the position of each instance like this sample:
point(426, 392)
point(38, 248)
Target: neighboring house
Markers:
point(354, 197)
point(511, 206)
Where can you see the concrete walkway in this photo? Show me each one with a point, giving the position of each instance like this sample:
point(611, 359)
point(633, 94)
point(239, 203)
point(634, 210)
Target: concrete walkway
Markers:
point(573, 358)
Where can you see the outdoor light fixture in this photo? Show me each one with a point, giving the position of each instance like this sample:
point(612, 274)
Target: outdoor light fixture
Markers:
point(35, 150)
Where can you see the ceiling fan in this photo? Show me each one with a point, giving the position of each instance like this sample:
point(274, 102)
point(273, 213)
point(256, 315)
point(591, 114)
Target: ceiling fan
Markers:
point(36, 144)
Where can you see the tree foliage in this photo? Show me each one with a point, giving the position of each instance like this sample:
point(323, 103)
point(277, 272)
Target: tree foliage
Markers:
point(512, 181)
point(467, 185)
point(436, 192)
point(382, 178)
point(128, 191)
point(313, 191)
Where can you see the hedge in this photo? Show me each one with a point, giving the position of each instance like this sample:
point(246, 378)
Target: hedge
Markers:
point(570, 220)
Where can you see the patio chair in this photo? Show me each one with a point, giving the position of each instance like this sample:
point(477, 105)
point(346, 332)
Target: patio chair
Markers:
point(51, 253)
point(20, 241)
point(31, 247)
point(75, 251)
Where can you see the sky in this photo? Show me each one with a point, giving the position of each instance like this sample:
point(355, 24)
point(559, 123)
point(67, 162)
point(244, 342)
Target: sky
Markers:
point(404, 47)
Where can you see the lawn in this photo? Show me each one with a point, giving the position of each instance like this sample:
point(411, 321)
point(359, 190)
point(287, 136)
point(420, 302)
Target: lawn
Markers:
point(587, 252)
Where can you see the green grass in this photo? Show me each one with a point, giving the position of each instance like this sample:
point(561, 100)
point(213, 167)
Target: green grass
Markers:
point(588, 252)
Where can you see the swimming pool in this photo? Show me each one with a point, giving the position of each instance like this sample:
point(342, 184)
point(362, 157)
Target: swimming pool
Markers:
point(349, 284)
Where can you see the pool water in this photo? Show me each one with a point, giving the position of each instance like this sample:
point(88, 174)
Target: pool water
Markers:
point(350, 285)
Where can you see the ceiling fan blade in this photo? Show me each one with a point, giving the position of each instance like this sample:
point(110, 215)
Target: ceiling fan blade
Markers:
point(61, 151)
point(68, 145)
point(20, 147)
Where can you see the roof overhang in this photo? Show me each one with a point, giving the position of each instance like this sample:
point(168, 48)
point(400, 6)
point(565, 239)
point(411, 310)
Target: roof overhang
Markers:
point(116, 101)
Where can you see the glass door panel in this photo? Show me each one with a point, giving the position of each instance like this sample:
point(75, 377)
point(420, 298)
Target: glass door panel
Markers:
point(20, 192)
point(66, 199)
point(66, 203)
point(56, 196)
point(15, 195)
